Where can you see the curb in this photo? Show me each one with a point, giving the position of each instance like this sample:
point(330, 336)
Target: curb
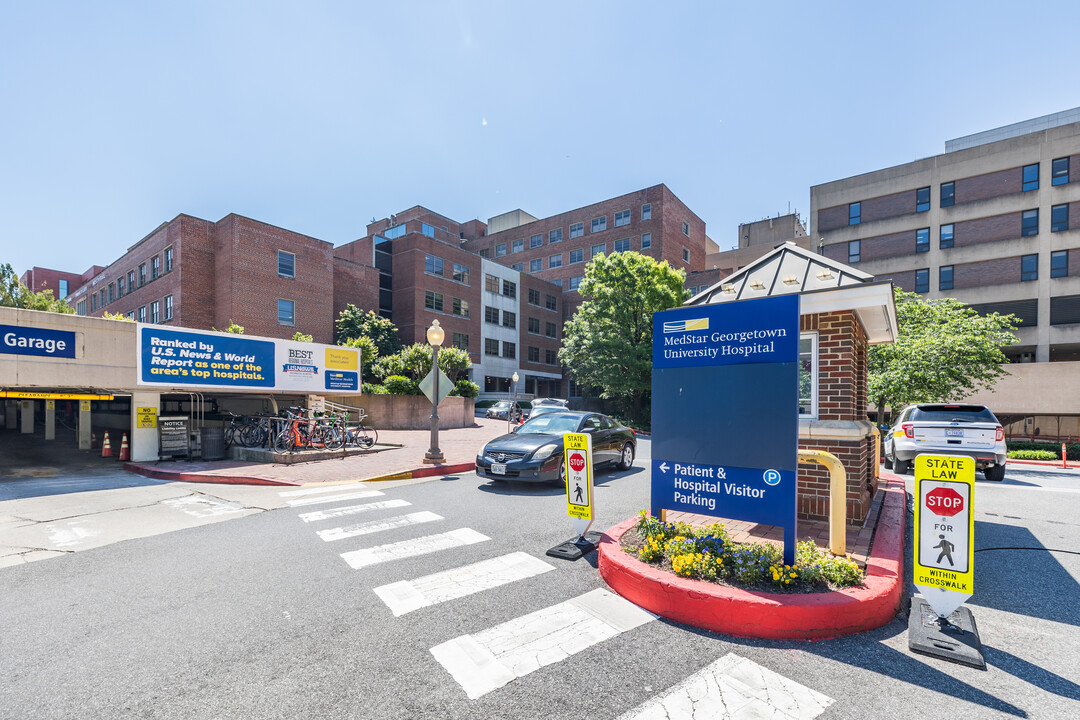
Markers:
point(772, 616)
point(156, 474)
point(1044, 463)
point(423, 472)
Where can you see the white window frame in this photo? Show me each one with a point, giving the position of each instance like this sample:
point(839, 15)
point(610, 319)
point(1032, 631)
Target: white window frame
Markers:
point(646, 237)
point(293, 256)
point(646, 211)
point(815, 364)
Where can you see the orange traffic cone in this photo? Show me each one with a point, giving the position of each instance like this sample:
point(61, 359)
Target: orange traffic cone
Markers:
point(106, 447)
point(125, 454)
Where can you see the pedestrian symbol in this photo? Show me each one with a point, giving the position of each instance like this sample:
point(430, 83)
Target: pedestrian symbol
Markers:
point(946, 550)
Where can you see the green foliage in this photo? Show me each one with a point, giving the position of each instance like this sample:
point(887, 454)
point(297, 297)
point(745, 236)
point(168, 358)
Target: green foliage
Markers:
point(466, 388)
point(398, 385)
point(1072, 448)
point(301, 337)
point(608, 342)
point(1033, 455)
point(369, 351)
point(14, 294)
point(944, 351)
point(414, 362)
point(233, 328)
point(354, 323)
point(117, 316)
point(372, 389)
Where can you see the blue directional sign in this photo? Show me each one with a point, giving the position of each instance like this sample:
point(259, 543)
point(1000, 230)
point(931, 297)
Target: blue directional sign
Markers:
point(725, 412)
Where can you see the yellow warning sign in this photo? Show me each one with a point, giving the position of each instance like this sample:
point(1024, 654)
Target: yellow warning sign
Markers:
point(945, 524)
point(84, 406)
point(577, 458)
point(146, 418)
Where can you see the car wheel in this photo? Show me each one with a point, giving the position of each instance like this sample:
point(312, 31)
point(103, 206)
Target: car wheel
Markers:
point(561, 482)
point(901, 466)
point(888, 461)
point(995, 474)
point(627, 460)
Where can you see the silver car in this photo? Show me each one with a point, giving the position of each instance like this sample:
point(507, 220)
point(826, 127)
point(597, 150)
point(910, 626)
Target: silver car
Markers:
point(948, 429)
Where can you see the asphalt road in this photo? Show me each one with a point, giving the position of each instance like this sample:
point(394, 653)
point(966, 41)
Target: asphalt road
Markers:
point(258, 617)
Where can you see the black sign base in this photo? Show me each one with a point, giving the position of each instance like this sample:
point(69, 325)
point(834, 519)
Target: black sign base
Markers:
point(576, 548)
point(956, 641)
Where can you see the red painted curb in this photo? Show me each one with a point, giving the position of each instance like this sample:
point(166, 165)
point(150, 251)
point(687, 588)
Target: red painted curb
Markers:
point(430, 470)
point(773, 616)
point(1044, 463)
point(156, 474)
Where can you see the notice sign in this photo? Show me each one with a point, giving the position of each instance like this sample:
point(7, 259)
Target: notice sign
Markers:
point(944, 566)
point(577, 456)
point(146, 418)
point(173, 436)
point(725, 406)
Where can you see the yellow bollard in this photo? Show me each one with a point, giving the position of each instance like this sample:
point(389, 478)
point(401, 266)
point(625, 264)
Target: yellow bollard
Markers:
point(877, 453)
point(837, 497)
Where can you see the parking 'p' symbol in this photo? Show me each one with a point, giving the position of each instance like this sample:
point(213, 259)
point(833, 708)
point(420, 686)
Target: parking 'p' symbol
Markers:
point(771, 477)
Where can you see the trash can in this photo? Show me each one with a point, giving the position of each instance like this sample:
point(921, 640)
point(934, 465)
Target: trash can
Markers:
point(212, 442)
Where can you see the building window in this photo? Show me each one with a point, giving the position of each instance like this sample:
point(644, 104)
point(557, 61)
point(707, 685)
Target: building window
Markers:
point(131, 315)
point(500, 250)
point(551, 329)
point(1031, 177)
point(577, 230)
point(646, 241)
point(460, 307)
point(922, 281)
point(286, 312)
point(945, 276)
point(536, 265)
point(622, 218)
point(646, 211)
point(131, 281)
point(142, 274)
point(686, 229)
point(551, 357)
point(854, 251)
point(1030, 223)
point(534, 325)
point(555, 235)
point(168, 259)
point(534, 297)
point(461, 274)
point(685, 255)
point(922, 199)
point(433, 300)
point(1029, 268)
point(491, 315)
point(461, 340)
point(427, 230)
point(922, 240)
point(574, 390)
point(1060, 171)
point(80, 307)
point(286, 264)
point(155, 267)
point(509, 350)
point(622, 245)
point(93, 302)
point(433, 265)
point(808, 375)
point(555, 261)
point(112, 292)
point(577, 256)
point(509, 319)
point(536, 241)
point(1059, 218)
point(509, 289)
point(1059, 263)
point(597, 250)
point(491, 283)
point(599, 224)
point(520, 267)
point(155, 312)
point(142, 314)
point(491, 347)
point(534, 354)
point(575, 281)
point(948, 194)
point(518, 245)
point(945, 238)
point(63, 288)
point(394, 232)
point(854, 213)
point(485, 252)
point(119, 286)
point(168, 309)
point(550, 302)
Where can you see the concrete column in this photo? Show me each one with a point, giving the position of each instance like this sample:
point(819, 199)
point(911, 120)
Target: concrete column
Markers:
point(50, 419)
point(84, 424)
point(10, 410)
point(143, 441)
point(27, 417)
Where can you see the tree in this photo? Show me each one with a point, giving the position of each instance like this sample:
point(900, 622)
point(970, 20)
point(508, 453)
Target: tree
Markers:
point(608, 342)
point(233, 328)
point(414, 362)
point(944, 351)
point(117, 316)
point(354, 322)
point(368, 350)
point(301, 337)
point(14, 294)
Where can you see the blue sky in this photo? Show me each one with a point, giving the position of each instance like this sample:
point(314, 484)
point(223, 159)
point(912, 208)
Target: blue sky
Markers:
point(316, 116)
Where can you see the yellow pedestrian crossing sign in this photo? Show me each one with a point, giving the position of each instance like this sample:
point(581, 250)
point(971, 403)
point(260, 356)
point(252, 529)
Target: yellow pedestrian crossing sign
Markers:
point(944, 563)
point(577, 459)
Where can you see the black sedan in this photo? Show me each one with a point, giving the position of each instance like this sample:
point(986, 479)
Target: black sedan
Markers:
point(533, 452)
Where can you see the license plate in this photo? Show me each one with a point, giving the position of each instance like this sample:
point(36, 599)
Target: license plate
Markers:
point(954, 433)
point(498, 468)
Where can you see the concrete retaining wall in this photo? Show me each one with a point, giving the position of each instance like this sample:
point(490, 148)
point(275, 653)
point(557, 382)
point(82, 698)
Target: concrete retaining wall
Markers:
point(410, 412)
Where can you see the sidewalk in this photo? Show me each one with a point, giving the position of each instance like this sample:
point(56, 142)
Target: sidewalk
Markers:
point(400, 456)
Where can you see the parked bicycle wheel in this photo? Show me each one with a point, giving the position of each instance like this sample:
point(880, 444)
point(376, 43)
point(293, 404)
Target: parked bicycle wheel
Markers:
point(285, 441)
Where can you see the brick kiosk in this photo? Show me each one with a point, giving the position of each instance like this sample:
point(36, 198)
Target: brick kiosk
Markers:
point(843, 312)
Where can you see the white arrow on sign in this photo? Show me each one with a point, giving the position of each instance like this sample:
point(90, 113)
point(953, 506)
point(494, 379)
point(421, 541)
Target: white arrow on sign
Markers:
point(663, 467)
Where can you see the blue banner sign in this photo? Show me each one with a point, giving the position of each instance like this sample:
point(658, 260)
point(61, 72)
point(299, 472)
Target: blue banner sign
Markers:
point(175, 357)
point(725, 410)
point(342, 380)
point(19, 340)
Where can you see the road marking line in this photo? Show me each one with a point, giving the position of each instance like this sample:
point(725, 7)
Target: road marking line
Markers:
point(408, 595)
point(374, 526)
point(734, 688)
point(335, 498)
point(351, 510)
point(411, 548)
point(491, 658)
point(315, 490)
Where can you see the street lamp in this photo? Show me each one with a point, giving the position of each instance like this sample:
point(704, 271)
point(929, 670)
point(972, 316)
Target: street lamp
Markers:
point(510, 412)
point(435, 335)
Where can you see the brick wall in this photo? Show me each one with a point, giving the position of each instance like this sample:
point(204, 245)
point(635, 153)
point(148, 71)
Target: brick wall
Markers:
point(885, 246)
point(544, 316)
point(903, 279)
point(888, 206)
point(831, 218)
point(990, 185)
point(40, 279)
point(987, 229)
point(355, 284)
point(197, 300)
point(999, 271)
point(813, 483)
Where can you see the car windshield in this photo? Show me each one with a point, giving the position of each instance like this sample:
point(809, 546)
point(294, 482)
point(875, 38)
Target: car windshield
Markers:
point(550, 424)
point(545, 409)
point(502, 405)
point(953, 413)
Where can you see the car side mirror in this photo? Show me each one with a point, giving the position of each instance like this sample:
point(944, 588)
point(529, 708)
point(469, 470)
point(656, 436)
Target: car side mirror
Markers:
point(514, 429)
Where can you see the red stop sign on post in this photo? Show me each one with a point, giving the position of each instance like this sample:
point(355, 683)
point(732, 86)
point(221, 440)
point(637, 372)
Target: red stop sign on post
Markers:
point(577, 462)
point(944, 501)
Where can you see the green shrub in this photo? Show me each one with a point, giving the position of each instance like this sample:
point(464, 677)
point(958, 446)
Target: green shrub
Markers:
point(400, 385)
point(372, 389)
point(1072, 448)
point(1033, 455)
point(466, 388)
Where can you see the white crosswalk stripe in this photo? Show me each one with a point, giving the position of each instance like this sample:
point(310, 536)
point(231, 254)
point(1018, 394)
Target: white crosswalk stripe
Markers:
point(494, 657)
point(319, 499)
point(734, 688)
point(411, 548)
point(317, 515)
point(408, 595)
point(316, 490)
point(375, 526)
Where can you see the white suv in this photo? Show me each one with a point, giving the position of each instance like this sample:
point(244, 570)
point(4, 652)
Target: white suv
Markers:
point(942, 429)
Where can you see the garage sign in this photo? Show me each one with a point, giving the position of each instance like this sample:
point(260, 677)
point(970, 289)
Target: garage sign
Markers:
point(945, 527)
point(577, 455)
point(20, 340)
